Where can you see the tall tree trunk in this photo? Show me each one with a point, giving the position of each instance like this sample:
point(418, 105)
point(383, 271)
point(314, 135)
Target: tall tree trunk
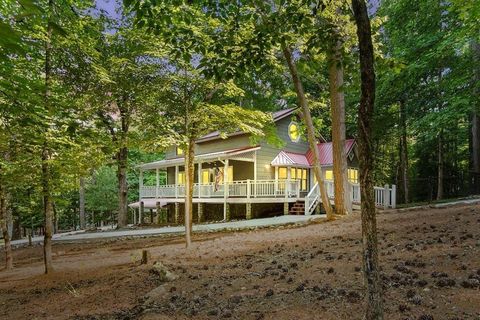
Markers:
point(475, 122)
point(46, 176)
point(189, 179)
point(122, 159)
point(4, 212)
point(82, 203)
point(312, 139)
point(440, 164)
point(337, 106)
point(403, 153)
point(365, 145)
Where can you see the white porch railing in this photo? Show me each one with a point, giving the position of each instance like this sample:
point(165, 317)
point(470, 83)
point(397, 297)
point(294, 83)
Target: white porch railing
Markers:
point(241, 188)
point(312, 199)
point(385, 197)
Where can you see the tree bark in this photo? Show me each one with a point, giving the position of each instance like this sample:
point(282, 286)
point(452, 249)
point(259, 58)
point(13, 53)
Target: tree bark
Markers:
point(475, 122)
point(46, 176)
point(403, 150)
point(189, 179)
point(312, 140)
point(122, 159)
point(440, 163)
point(4, 212)
point(365, 146)
point(82, 203)
point(337, 105)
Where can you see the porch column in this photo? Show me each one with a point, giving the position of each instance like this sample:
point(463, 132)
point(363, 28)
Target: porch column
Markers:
point(159, 213)
point(287, 184)
point(199, 167)
point(227, 212)
point(140, 184)
point(140, 214)
point(176, 181)
point(177, 212)
point(200, 212)
point(254, 174)
point(158, 183)
point(276, 180)
point(225, 190)
point(248, 214)
point(285, 208)
point(134, 217)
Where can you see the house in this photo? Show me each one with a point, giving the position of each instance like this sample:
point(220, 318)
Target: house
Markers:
point(234, 179)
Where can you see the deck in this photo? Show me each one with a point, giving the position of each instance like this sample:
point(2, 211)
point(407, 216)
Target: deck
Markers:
point(258, 191)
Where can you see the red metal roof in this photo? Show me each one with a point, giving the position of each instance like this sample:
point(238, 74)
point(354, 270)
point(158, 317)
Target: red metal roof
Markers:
point(326, 152)
point(285, 158)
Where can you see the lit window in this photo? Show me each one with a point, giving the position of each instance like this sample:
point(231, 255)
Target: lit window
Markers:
point(353, 175)
point(181, 178)
point(205, 176)
point(282, 173)
point(293, 131)
point(328, 175)
point(179, 151)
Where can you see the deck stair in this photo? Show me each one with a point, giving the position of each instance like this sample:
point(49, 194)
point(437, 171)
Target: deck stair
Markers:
point(298, 208)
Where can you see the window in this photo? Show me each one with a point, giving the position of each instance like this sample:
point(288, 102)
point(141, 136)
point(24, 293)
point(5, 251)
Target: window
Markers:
point(353, 175)
point(295, 174)
point(293, 131)
point(205, 176)
point(179, 151)
point(181, 177)
point(328, 174)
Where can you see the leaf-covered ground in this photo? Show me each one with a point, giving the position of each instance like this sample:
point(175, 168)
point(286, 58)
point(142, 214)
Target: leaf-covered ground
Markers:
point(430, 260)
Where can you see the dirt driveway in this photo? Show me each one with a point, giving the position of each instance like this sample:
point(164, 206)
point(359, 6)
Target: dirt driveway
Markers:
point(430, 260)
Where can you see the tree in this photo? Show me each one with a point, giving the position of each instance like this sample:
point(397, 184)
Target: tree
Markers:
point(371, 268)
point(190, 106)
point(129, 71)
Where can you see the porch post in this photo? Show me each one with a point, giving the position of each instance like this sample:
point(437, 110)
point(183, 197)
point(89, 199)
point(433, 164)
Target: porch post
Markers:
point(157, 177)
point(200, 212)
point(385, 196)
point(248, 211)
point(199, 167)
point(394, 196)
point(287, 184)
point(276, 180)
point(140, 183)
point(177, 212)
point(225, 190)
point(176, 181)
point(134, 216)
point(255, 174)
point(159, 213)
point(140, 215)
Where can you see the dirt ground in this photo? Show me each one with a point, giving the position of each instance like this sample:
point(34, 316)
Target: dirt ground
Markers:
point(430, 261)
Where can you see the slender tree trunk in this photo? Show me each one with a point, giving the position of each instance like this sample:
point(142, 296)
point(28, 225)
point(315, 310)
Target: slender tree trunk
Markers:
point(46, 176)
point(371, 268)
point(440, 164)
point(122, 159)
point(189, 179)
point(82, 203)
point(337, 106)
point(403, 153)
point(4, 212)
point(475, 122)
point(312, 139)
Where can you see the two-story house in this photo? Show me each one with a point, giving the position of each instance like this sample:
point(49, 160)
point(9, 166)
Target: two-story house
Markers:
point(234, 179)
